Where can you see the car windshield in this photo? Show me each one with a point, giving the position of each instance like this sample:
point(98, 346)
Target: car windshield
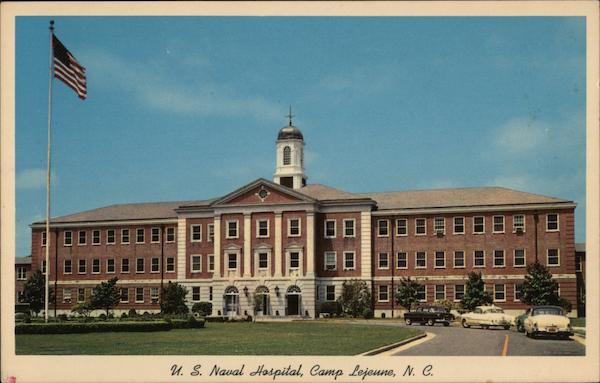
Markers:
point(548, 311)
point(495, 311)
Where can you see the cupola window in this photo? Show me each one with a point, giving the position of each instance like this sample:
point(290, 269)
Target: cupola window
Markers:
point(287, 155)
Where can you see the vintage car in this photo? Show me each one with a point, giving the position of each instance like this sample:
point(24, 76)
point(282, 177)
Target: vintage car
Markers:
point(520, 319)
point(547, 320)
point(486, 317)
point(429, 315)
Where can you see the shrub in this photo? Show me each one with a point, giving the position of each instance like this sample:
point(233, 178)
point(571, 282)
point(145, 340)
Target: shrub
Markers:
point(102, 316)
point(73, 328)
point(62, 317)
point(173, 299)
point(215, 319)
point(189, 323)
point(565, 304)
point(367, 313)
point(355, 297)
point(202, 308)
point(331, 308)
point(26, 318)
point(124, 316)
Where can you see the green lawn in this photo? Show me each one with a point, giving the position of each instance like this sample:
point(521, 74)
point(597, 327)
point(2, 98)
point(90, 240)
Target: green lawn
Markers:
point(578, 322)
point(289, 338)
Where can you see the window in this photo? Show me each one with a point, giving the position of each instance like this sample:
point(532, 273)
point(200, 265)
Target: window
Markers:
point(68, 240)
point(499, 293)
point(498, 258)
point(382, 227)
point(232, 261)
point(210, 293)
point(110, 265)
point(139, 295)
point(552, 222)
point(440, 259)
point(459, 259)
point(459, 225)
point(459, 292)
point(479, 258)
point(80, 295)
point(124, 295)
point(196, 233)
point(67, 295)
point(422, 293)
point(139, 236)
point(196, 263)
point(330, 228)
point(420, 226)
point(82, 237)
point(287, 155)
point(402, 227)
point(498, 224)
point(330, 293)
point(155, 235)
point(43, 267)
point(262, 228)
point(384, 293)
point(519, 260)
point(384, 261)
point(402, 260)
point(154, 294)
point(43, 238)
point(294, 227)
point(170, 265)
point(578, 263)
point(124, 265)
point(211, 232)
point(440, 292)
point(439, 225)
point(294, 260)
point(349, 228)
point(110, 236)
point(95, 266)
point(170, 235)
point(420, 260)
point(21, 273)
point(348, 260)
point(95, 237)
point(125, 236)
point(196, 293)
point(330, 261)
point(211, 263)
point(139, 265)
point(154, 265)
point(478, 225)
point(68, 266)
point(232, 229)
point(263, 260)
point(518, 292)
point(553, 257)
point(82, 266)
point(518, 223)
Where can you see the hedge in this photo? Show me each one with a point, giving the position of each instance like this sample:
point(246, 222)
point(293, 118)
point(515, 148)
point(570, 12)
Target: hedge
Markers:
point(73, 328)
point(189, 323)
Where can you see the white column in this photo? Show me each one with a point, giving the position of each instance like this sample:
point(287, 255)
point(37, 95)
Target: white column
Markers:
point(217, 247)
point(181, 247)
point(365, 244)
point(310, 244)
point(278, 256)
point(247, 243)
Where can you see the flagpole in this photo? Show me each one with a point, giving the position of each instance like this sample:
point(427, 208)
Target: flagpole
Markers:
point(47, 284)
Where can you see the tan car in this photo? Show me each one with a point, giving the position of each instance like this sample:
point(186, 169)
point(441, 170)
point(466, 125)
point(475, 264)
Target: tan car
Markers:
point(486, 317)
point(547, 320)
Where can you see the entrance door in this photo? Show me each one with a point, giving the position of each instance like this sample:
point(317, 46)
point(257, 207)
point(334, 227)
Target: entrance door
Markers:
point(231, 305)
point(293, 302)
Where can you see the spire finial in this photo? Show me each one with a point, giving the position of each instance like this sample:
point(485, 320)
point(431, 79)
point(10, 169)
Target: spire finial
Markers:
point(290, 115)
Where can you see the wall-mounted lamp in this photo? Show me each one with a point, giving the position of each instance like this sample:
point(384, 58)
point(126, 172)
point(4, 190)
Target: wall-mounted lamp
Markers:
point(246, 290)
point(277, 290)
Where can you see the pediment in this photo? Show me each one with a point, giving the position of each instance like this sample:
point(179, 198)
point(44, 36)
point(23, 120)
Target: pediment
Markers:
point(262, 192)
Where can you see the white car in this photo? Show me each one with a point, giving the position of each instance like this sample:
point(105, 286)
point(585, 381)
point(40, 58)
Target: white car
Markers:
point(548, 320)
point(486, 317)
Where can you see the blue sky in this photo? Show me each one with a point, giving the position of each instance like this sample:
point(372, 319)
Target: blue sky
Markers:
point(186, 108)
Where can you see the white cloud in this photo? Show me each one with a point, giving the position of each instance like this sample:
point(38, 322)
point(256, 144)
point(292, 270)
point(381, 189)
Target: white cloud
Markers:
point(522, 134)
point(32, 179)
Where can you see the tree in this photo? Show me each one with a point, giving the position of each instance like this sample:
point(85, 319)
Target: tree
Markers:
point(84, 309)
point(355, 297)
point(203, 308)
point(35, 292)
point(106, 295)
point(539, 288)
point(475, 294)
point(407, 292)
point(173, 299)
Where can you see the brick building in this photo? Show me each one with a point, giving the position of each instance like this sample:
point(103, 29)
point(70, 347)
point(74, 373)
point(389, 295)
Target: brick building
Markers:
point(292, 244)
point(22, 274)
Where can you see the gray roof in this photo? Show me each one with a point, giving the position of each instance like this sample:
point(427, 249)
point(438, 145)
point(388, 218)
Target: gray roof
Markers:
point(23, 260)
point(323, 192)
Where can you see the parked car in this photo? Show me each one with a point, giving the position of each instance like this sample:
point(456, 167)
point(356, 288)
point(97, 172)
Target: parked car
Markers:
point(547, 320)
point(429, 315)
point(520, 319)
point(486, 317)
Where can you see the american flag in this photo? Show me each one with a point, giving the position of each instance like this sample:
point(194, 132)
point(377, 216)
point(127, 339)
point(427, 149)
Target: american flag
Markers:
point(67, 69)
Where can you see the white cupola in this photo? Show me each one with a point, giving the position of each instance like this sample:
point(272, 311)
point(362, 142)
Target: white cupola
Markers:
point(289, 166)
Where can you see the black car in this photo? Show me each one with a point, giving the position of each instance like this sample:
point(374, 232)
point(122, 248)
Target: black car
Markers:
point(429, 315)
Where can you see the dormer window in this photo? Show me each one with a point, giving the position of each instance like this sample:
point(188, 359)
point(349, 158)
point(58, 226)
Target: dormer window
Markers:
point(287, 155)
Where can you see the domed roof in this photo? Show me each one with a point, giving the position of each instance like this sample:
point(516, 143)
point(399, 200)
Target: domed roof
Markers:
point(290, 132)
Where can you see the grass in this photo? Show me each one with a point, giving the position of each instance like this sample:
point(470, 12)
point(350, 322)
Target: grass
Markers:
point(290, 338)
point(578, 322)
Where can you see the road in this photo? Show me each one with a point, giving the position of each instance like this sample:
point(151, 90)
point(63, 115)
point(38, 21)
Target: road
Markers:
point(474, 341)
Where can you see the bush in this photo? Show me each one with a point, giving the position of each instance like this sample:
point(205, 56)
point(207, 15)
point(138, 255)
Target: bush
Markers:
point(132, 313)
point(73, 328)
point(102, 316)
point(62, 317)
point(367, 314)
point(202, 308)
point(124, 315)
point(565, 304)
point(215, 319)
point(331, 308)
point(189, 323)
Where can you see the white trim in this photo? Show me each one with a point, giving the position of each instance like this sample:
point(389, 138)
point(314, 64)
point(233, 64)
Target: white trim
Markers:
point(65, 264)
point(106, 223)
point(435, 298)
point(353, 260)
point(154, 297)
point(494, 231)
point(557, 223)
point(43, 239)
point(503, 291)
point(398, 258)
point(79, 267)
point(70, 298)
point(237, 228)
point(136, 295)
point(114, 266)
point(454, 259)
point(387, 228)
point(167, 265)
point(199, 294)
point(325, 260)
point(257, 253)
point(137, 235)
point(464, 226)
point(208, 230)
point(327, 293)
point(416, 260)
point(334, 228)
point(478, 266)
point(167, 234)
point(288, 258)
point(84, 294)
point(405, 227)
point(128, 266)
point(387, 256)
point(237, 260)
point(524, 258)
point(425, 290)
point(289, 227)
point(473, 220)
point(463, 292)
point(192, 226)
point(209, 269)
point(524, 222)
point(474, 209)
point(344, 235)
point(258, 222)
point(192, 270)
point(435, 258)
point(387, 293)
point(114, 237)
point(151, 264)
point(121, 295)
point(494, 259)
point(99, 266)
point(128, 237)
point(152, 234)
point(99, 237)
point(443, 231)
point(417, 225)
point(515, 292)
point(137, 271)
point(548, 257)
point(79, 243)
point(65, 238)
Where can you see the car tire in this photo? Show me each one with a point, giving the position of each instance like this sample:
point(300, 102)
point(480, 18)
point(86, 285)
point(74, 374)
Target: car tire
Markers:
point(430, 322)
point(408, 321)
point(465, 324)
point(520, 328)
point(446, 324)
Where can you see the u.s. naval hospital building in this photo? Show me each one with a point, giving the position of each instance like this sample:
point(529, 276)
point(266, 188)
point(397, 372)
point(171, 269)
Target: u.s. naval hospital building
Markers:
point(293, 244)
